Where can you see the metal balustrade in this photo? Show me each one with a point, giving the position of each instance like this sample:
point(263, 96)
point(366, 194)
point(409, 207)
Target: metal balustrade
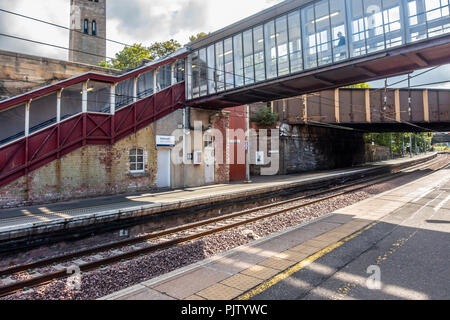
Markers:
point(45, 124)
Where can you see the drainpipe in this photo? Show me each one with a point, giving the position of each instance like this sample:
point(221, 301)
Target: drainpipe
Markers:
point(27, 118)
point(84, 97)
point(247, 152)
point(58, 106)
point(410, 145)
point(184, 147)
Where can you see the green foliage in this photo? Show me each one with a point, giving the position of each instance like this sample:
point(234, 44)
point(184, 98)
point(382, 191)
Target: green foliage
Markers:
point(131, 57)
point(400, 141)
point(363, 85)
point(265, 117)
point(163, 49)
point(198, 36)
point(447, 149)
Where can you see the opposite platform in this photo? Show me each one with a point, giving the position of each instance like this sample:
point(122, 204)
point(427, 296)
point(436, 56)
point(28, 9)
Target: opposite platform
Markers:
point(36, 220)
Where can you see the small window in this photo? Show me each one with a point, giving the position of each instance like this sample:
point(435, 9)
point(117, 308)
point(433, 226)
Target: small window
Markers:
point(209, 141)
point(94, 28)
point(86, 26)
point(136, 160)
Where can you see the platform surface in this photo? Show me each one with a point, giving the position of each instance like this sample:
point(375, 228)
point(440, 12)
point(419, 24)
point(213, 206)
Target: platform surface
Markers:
point(275, 267)
point(19, 222)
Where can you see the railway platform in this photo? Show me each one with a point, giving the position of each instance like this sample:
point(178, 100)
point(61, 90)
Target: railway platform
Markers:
point(249, 271)
point(22, 222)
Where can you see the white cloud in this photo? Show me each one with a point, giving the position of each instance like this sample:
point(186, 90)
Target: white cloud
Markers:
point(130, 21)
point(140, 21)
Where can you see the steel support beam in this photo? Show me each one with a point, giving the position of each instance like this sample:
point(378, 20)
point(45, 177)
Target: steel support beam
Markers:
point(337, 110)
point(398, 116)
point(367, 103)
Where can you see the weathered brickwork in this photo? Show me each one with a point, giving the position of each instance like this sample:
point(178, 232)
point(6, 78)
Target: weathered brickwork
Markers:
point(222, 170)
point(87, 172)
point(20, 73)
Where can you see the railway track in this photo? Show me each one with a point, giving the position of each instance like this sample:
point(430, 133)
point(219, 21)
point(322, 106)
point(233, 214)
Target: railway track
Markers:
point(128, 249)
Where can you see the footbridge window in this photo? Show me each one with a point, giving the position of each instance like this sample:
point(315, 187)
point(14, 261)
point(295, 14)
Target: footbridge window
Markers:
point(13, 124)
point(202, 72)
point(258, 47)
point(164, 77)
point(124, 93)
point(249, 61)
point(228, 63)
point(318, 34)
point(43, 112)
point(99, 97)
point(71, 101)
point(211, 66)
point(145, 85)
point(220, 78)
point(179, 70)
point(238, 60)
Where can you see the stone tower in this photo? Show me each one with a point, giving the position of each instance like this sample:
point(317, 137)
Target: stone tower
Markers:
point(88, 31)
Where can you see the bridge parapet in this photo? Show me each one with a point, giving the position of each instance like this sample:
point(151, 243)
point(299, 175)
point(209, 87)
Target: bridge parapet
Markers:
point(368, 108)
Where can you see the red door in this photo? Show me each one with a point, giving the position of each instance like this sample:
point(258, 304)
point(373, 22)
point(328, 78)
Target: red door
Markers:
point(237, 121)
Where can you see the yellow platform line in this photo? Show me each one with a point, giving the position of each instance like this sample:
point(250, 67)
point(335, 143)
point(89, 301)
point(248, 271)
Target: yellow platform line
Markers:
point(301, 265)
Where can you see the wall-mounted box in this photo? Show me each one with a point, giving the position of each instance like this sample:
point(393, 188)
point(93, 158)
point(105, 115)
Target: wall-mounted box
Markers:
point(198, 157)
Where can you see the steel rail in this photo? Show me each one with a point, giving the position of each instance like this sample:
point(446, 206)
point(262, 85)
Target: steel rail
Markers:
point(47, 278)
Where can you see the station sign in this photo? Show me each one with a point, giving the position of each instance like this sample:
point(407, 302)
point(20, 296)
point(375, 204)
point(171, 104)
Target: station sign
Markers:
point(165, 141)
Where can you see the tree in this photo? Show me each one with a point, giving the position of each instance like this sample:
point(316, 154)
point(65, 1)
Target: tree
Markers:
point(265, 117)
point(163, 49)
point(400, 141)
point(198, 36)
point(131, 57)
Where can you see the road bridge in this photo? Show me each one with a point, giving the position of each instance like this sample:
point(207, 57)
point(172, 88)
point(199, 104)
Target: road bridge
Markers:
point(371, 110)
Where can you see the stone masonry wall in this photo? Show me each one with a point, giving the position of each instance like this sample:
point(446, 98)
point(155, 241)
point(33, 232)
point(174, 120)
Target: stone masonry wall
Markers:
point(307, 148)
point(95, 46)
point(20, 73)
point(377, 153)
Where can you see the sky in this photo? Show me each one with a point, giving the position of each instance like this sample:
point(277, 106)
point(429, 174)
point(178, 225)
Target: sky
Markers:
point(141, 21)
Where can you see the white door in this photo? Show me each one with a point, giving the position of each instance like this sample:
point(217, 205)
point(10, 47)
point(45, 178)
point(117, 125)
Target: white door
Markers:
point(163, 176)
point(209, 165)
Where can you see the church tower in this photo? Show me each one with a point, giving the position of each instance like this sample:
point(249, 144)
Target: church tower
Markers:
point(87, 31)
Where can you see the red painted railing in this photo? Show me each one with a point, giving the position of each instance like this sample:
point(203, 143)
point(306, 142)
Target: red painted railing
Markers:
point(32, 152)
